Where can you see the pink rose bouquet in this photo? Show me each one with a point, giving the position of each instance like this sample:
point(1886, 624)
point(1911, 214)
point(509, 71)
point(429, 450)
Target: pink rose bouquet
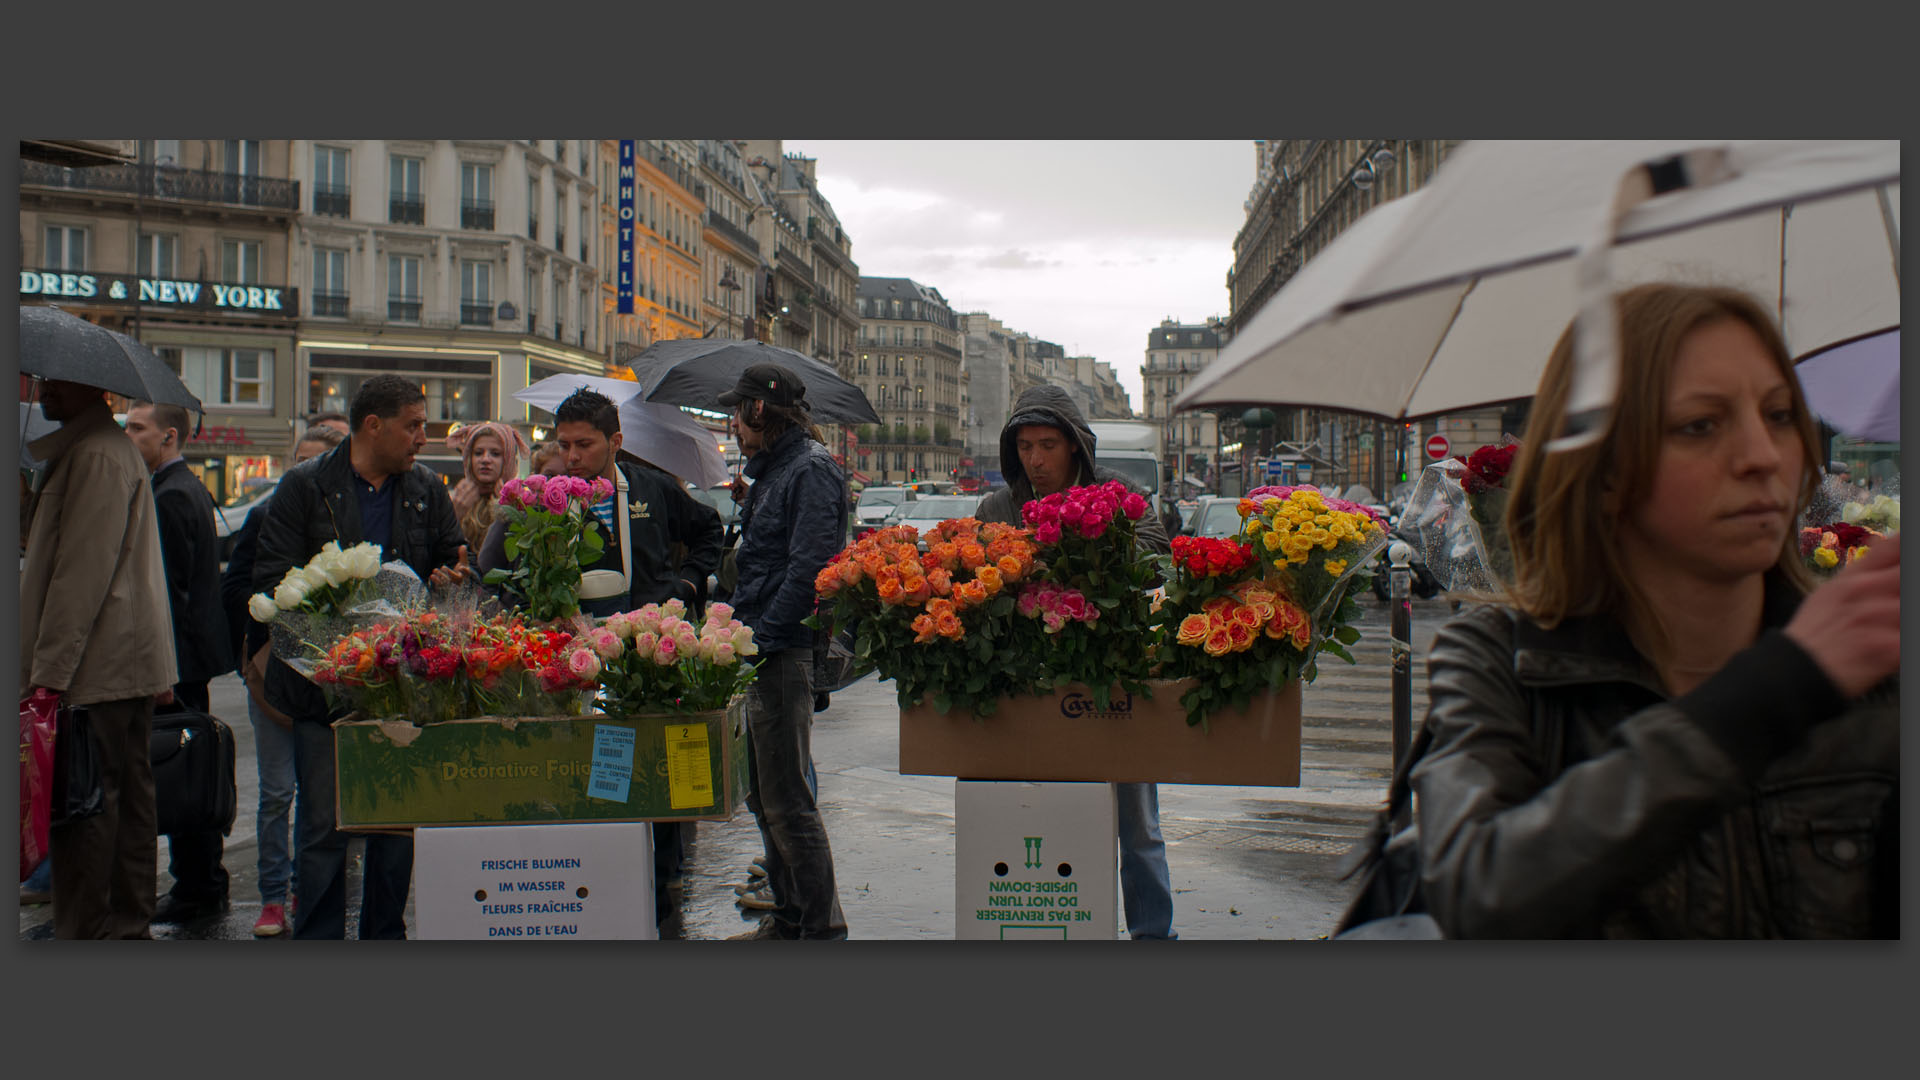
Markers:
point(1098, 612)
point(552, 535)
point(658, 661)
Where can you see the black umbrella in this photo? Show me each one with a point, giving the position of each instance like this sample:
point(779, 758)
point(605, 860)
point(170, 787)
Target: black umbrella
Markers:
point(56, 345)
point(696, 371)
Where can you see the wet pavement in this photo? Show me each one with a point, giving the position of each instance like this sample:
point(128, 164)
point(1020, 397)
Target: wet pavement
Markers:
point(1247, 863)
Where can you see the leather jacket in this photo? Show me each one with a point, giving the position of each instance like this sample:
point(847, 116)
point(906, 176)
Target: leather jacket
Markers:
point(1566, 794)
point(315, 502)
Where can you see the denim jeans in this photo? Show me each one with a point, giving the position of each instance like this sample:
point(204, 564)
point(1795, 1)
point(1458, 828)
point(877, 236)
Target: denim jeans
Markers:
point(273, 825)
point(799, 858)
point(1145, 888)
point(322, 872)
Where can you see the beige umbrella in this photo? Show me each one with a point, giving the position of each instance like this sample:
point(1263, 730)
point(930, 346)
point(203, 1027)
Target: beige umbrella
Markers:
point(1452, 297)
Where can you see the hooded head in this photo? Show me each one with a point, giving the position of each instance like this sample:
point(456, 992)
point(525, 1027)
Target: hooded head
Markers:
point(1041, 408)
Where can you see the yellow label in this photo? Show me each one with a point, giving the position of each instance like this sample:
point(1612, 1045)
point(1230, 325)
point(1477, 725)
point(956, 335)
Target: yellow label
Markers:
point(689, 767)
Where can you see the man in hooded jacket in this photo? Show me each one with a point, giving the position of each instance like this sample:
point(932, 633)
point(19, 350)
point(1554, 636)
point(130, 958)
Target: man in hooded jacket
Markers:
point(1046, 446)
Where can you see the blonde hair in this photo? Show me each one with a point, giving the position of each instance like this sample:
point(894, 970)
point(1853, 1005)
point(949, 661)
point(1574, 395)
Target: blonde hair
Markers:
point(1564, 508)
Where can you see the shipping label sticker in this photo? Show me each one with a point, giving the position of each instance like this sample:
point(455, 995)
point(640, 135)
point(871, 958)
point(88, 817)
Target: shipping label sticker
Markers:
point(612, 763)
point(689, 767)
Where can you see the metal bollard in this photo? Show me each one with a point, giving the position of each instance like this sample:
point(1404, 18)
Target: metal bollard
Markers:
point(1400, 634)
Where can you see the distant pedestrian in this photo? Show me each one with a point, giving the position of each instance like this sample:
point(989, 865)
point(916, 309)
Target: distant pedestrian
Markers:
point(791, 523)
point(273, 744)
point(490, 455)
point(547, 460)
point(201, 644)
point(95, 629)
point(368, 489)
point(1667, 734)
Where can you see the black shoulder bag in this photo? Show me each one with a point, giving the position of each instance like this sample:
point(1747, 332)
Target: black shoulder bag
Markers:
point(1389, 903)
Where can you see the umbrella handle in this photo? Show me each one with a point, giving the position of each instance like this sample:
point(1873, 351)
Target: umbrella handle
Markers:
point(1596, 368)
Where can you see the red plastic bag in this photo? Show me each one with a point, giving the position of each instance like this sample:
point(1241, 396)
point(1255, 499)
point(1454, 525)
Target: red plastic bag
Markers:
point(38, 716)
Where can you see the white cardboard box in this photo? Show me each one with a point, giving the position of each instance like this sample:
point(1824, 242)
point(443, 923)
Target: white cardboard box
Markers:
point(1034, 861)
point(535, 882)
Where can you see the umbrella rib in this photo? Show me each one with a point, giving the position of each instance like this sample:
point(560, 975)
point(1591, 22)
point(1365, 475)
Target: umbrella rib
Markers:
point(1893, 230)
point(1433, 353)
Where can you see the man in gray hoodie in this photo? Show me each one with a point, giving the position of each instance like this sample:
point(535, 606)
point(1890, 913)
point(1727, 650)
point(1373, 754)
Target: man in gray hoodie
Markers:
point(1046, 447)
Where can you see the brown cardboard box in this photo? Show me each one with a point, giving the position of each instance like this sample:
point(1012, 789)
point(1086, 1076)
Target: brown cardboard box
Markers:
point(1062, 737)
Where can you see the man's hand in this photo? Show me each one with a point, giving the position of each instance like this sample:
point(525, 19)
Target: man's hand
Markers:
point(738, 489)
point(446, 576)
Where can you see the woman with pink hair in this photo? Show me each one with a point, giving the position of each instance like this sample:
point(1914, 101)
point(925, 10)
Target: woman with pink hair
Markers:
point(491, 451)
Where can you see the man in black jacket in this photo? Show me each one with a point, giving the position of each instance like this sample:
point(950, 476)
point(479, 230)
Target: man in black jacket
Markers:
point(790, 526)
point(201, 644)
point(652, 513)
point(366, 490)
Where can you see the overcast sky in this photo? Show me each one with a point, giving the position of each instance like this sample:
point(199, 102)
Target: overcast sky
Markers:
point(1084, 244)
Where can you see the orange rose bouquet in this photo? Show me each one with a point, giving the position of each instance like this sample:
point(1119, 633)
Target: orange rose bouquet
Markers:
point(938, 614)
point(1228, 625)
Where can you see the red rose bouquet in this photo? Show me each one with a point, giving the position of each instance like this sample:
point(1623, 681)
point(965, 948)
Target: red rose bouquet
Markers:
point(1826, 548)
point(1457, 516)
point(1228, 625)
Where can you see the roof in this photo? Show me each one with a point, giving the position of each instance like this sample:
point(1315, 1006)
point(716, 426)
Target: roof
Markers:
point(899, 288)
point(1199, 336)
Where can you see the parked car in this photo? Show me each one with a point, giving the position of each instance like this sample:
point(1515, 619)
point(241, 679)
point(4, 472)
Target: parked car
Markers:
point(720, 497)
point(1216, 516)
point(876, 505)
point(924, 514)
point(228, 519)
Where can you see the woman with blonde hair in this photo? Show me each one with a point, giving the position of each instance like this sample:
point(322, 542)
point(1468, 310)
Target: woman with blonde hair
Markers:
point(491, 452)
point(1665, 730)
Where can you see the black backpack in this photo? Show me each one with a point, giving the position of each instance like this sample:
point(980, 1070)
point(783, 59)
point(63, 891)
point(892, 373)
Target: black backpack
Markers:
point(194, 789)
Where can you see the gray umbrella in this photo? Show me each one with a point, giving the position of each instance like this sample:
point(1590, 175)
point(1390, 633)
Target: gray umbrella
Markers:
point(56, 345)
point(695, 371)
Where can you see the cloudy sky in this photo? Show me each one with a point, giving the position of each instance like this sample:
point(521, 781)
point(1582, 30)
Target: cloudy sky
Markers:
point(1085, 244)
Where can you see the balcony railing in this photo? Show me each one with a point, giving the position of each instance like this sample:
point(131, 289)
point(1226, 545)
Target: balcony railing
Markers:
point(476, 213)
point(334, 304)
point(733, 232)
point(156, 182)
point(406, 210)
point(403, 310)
point(476, 313)
point(332, 202)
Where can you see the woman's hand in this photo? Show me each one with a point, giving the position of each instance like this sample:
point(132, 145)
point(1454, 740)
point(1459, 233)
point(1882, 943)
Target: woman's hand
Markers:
point(1851, 624)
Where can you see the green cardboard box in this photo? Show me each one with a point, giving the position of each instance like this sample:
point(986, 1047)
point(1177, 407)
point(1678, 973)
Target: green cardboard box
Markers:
point(392, 775)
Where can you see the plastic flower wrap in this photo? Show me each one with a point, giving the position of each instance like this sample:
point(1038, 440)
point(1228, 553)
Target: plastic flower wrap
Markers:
point(1310, 548)
point(941, 623)
point(552, 535)
point(1826, 548)
point(335, 593)
point(1231, 628)
point(655, 660)
point(1098, 617)
point(1456, 519)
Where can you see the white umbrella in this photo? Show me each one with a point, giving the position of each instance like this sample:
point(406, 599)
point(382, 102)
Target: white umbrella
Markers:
point(664, 435)
point(1452, 297)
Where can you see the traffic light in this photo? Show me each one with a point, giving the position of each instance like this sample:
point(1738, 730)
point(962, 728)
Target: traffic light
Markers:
point(1403, 476)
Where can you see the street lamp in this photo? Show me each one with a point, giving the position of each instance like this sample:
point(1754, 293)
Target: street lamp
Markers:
point(732, 286)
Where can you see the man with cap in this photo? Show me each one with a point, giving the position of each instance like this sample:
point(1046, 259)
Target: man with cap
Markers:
point(790, 526)
point(1046, 446)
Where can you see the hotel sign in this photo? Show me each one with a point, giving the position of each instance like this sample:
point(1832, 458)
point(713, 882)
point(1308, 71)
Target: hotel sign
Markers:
point(125, 289)
point(625, 295)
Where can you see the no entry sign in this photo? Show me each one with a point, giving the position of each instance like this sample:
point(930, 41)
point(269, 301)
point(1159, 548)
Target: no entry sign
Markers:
point(1437, 447)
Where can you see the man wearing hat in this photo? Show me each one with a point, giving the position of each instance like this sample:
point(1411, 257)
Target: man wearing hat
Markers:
point(791, 521)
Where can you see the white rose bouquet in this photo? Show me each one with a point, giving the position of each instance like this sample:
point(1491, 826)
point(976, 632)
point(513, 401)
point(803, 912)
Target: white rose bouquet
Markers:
point(331, 584)
point(336, 592)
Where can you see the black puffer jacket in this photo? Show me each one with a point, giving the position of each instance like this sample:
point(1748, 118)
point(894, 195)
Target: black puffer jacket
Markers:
point(1566, 795)
point(793, 522)
point(1057, 406)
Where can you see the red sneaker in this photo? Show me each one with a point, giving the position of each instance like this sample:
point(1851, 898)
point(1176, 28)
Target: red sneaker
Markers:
point(272, 921)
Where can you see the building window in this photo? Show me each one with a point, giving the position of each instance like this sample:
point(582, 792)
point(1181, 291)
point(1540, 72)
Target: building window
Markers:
point(406, 205)
point(164, 153)
point(329, 282)
point(533, 207)
point(476, 196)
point(558, 308)
point(447, 398)
point(225, 376)
point(330, 182)
point(403, 288)
point(157, 254)
point(476, 293)
point(240, 262)
point(533, 302)
point(920, 337)
point(66, 248)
